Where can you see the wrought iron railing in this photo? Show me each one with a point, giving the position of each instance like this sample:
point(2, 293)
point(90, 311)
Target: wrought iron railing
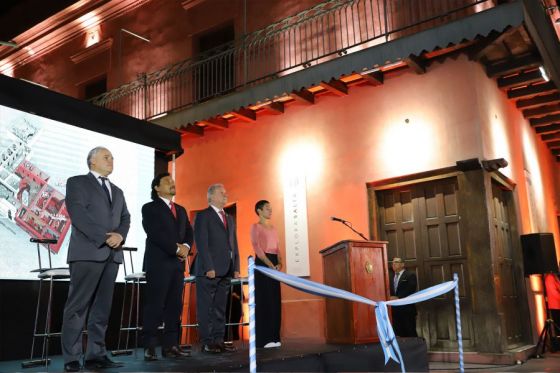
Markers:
point(324, 32)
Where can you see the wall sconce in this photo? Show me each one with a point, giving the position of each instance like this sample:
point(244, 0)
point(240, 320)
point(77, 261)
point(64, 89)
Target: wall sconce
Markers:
point(494, 164)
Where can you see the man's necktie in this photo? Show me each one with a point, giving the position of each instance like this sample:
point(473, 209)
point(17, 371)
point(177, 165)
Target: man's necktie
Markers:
point(223, 215)
point(173, 210)
point(105, 189)
point(396, 281)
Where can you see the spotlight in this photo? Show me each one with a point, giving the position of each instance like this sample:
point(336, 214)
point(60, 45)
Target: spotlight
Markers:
point(494, 164)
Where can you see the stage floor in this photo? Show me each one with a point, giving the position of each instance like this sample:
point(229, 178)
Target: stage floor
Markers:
point(295, 357)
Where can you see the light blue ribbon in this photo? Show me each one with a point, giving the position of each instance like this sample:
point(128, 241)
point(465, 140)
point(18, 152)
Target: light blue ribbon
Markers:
point(385, 331)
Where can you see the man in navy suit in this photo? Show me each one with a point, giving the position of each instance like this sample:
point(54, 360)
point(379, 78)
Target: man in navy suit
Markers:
point(216, 263)
point(100, 223)
point(169, 236)
point(403, 283)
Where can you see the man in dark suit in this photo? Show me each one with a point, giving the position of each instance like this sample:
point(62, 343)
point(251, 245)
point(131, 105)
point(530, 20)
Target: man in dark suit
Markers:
point(100, 223)
point(216, 262)
point(403, 283)
point(169, 237)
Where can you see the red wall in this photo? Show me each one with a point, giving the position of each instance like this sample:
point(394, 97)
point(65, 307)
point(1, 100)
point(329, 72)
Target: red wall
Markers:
point(353, 140)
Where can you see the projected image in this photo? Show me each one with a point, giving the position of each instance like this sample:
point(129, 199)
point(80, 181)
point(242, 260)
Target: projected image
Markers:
point(37, 156)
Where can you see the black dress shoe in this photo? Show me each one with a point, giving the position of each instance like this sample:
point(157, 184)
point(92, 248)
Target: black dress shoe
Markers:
point(102, 363)
point(73, 366)
point(150, 354)
point(227, 347)
point(211, 349)
point(174, 352)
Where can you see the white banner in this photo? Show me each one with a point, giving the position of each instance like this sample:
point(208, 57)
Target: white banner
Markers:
point(295, 221)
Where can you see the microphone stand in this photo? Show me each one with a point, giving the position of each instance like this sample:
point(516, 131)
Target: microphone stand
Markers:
point(349, 225)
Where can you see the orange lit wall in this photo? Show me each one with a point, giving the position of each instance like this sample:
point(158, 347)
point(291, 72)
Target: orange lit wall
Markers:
point(363, 137)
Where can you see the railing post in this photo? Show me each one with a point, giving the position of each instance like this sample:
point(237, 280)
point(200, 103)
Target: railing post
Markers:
point(385, 15)
point(144, 79)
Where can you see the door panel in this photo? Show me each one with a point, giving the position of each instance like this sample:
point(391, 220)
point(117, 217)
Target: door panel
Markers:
point(422, 224)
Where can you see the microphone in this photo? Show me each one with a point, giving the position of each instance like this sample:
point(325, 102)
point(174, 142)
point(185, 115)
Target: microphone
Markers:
point(334, 218)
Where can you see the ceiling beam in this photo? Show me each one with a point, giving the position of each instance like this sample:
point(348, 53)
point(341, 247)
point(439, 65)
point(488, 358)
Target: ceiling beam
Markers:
point(555, 151)
point(513, 65)
point(544, 121)
point(304, 96)
point(375, 78)
point(538, 100)
point(247, 115)
point(335, 86)
point(541, 110)
point(551, 136)
point(216, 122)
point(548, 129)
point(416, 63)
point(191, 129)
point(523, 78)
point(479, 49)
point(531, 90)
point(275, 108)
point(553, 145)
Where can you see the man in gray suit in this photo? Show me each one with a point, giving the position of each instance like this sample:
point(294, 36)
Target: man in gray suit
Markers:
point(100, 223)
point(216, 262)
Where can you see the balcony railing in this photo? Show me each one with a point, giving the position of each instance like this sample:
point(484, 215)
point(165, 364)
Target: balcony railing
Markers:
point(325, 32)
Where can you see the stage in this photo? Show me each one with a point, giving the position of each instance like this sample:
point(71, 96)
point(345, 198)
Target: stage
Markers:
point(293, 357)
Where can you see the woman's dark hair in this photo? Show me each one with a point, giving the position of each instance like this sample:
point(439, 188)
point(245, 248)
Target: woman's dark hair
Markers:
point(260, 205)
point(156, 182)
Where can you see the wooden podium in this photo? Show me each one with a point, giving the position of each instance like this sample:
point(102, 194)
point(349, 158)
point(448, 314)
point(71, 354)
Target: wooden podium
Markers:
point(360, 267)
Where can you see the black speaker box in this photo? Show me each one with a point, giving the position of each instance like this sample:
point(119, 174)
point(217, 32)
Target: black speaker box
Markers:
point(539, 253)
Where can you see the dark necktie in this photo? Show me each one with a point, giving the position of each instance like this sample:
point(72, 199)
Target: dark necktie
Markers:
point(173, 210)
point(223, 215)
point(105, 189)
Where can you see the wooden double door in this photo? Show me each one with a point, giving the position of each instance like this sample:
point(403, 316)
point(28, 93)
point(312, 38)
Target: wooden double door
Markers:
point(426, 225)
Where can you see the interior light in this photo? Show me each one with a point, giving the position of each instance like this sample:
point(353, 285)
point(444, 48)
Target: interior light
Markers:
point(544, 74)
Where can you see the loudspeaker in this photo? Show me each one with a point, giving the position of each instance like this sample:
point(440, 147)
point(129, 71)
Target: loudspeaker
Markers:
point(539, 254)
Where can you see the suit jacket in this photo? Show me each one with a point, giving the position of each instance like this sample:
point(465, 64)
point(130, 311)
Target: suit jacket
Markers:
point(216, 246)
point(93, 216)
point(406, 286)
point(163, 233)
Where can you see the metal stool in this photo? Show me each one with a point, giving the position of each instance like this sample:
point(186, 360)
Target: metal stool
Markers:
point(132, 280)
point(45, 274)
point(238, 281)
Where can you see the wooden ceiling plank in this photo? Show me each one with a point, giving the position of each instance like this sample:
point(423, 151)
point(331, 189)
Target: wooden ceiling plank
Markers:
point(479, 49)
point(513, 65)
point(531, 90)
point(551, 137)
point(544, 121)
point(335, 86)
point(375, 78)
point(191, 129)
point(548, 129)
point(216, 122)
point(523, 78)
point(276, 108)
point(303, 96)
point(416, 63)
point(538, 100)
point(247, 115)
point(541, 110)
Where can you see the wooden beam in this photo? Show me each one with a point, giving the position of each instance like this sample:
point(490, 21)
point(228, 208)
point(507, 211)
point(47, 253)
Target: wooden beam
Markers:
point(335, 86)
point(553, 145)
point(555, 151)
point(216, 122)
point(551, 137)
point(543, 121)
point(531, 90)
point(375, 78)
point(275, 108)
point(247, 115)
point(479, 49)
point(548, 129)
point(191, 129)
point(513, 65)
point(538, 100)
point(541, 110)
point(416, 63)
point(303, 96)
point(523, 78)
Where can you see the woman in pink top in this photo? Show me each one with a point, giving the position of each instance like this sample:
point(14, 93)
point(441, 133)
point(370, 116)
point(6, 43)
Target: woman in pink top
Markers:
point(267, 291)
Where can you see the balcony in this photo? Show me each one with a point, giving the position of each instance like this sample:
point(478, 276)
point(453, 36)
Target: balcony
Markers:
point(326, 32)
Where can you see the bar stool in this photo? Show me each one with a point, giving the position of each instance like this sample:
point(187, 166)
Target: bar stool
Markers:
point(45, 274)
point(238, 281)
point(132, 280)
